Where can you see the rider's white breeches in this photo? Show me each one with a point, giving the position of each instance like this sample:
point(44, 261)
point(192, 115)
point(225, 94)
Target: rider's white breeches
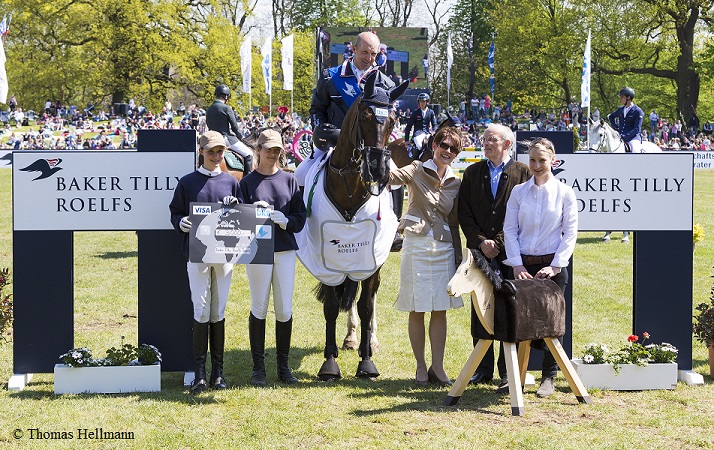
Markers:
point(281, 276)
point(419, 139)
point(240, 148)
point(210, 284)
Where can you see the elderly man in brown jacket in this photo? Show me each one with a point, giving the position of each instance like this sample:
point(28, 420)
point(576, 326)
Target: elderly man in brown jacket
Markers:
point(483, 195)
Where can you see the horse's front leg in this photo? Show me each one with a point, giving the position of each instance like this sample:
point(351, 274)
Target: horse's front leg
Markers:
point(350, 342)
point(365, 309)
point(330, 370)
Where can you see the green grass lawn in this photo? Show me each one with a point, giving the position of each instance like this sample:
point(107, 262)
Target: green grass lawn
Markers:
point(388, 413)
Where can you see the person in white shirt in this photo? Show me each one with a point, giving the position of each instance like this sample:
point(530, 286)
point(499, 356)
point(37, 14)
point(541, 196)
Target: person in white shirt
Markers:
point(540, 230)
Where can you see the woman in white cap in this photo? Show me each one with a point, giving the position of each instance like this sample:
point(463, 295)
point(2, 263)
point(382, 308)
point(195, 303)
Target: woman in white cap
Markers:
point(209, 283)
point(279, 189)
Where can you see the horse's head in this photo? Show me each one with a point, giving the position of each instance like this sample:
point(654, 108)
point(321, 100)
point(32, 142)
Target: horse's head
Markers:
point(366, 130)
point(603, 139)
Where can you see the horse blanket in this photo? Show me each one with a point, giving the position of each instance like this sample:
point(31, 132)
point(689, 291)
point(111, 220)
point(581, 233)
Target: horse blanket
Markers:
point(330, 247)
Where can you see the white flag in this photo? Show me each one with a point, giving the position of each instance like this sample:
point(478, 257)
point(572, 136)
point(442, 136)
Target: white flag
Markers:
point(449, 61)
point(267, 65)
point(585, 84)
point(3, 75)
point(246, 62)
point(287, 62)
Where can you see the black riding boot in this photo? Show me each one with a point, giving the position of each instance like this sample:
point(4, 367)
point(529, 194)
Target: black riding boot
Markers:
point(283, 333)
point(200, 348)
point(256, 333)
point(218, 338)
point(247, 164)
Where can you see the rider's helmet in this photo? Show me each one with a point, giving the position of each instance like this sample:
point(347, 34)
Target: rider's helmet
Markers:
point(222, 89)
point(628, 92)
point(424, 96)
point(325, 136)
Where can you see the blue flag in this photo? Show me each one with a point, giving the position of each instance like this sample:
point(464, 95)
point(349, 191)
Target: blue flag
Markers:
point(491, 64)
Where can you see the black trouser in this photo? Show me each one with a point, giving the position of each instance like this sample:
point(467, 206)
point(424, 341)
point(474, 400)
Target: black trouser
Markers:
point(487, 363)
point(550, 366)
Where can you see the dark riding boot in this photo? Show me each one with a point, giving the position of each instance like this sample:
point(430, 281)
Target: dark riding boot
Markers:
point(256, 333)
point(283, 333)
point(247, 164)
point(200, 348)
point(218, 338)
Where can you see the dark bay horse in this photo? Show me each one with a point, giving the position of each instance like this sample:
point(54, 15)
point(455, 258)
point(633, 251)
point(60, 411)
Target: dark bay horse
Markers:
point(357, 170)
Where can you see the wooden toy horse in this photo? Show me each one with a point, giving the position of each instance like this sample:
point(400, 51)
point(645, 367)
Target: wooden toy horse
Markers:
point(512, 311)
point(604, 139)
point(353, 177)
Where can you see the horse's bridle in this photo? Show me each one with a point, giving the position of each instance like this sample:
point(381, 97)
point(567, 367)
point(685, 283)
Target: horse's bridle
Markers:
point(361, 155)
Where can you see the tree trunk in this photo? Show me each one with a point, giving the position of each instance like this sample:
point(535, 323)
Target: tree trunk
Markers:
point(688, 81)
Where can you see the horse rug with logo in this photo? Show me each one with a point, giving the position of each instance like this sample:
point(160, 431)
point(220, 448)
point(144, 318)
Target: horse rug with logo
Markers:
point(330, 247)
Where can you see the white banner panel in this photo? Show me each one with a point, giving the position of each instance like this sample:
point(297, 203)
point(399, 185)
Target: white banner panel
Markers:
point(619, 191)
point(98, 190)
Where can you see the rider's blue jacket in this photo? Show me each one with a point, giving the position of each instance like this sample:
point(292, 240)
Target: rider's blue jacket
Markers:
point(422, 121)
point(628, 126)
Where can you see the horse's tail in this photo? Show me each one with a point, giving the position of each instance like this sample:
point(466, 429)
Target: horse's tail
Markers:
point(343, 294)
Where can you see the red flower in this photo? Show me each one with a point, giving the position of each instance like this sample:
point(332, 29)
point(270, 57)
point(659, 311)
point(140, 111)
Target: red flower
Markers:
point(632, 338)
point(646, 335)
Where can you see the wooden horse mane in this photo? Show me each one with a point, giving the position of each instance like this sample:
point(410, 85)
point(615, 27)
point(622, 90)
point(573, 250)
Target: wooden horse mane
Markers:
point(482, 264)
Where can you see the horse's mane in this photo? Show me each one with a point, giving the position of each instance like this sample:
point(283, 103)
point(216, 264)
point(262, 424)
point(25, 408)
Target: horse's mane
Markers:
point(485, 268)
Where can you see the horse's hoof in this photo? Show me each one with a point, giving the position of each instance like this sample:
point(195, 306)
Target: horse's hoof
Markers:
point(367, 369)
point(350, 344)
point(329, 370)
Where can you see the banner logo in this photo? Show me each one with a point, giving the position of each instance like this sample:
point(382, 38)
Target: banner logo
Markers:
point(46, 167)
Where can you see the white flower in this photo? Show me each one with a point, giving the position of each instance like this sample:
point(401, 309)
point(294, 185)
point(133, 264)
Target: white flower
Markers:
point(76, 355)
point(588, 359)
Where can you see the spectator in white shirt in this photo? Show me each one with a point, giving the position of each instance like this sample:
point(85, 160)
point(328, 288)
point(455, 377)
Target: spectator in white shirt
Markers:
point(540, 231)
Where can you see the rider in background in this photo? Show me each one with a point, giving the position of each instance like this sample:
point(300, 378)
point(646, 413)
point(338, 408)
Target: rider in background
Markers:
point(220, 117)
point(627, 120)
point(423, 120)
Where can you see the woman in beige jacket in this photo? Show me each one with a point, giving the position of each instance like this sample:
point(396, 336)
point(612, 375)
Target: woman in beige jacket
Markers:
point(431, 250)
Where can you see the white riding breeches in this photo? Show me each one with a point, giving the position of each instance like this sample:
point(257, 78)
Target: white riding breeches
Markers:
point(240, 148)
point(419, 139)
point(635, 145)
point(281, 276)
point(304, 167)
point(209, 284)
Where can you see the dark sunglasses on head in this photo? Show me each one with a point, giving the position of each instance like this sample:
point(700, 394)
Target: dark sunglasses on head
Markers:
point(452, 148)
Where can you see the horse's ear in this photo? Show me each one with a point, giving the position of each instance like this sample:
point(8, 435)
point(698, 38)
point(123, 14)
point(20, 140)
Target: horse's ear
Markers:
point(602, 122)
point(590, 120)
point(369, 84)
point(397, 92)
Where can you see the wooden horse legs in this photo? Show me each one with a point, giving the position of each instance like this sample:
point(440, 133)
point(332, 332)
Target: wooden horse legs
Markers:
point(516, 367)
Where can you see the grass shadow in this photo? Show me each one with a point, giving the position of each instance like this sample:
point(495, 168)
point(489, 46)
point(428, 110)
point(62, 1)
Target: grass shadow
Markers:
point(118, 255)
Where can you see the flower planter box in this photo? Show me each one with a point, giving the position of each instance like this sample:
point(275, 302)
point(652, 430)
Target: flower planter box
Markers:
point(107, 379)
point(631, 378)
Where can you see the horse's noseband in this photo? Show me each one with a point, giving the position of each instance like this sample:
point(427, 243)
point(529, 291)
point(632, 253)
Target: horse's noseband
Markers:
point(375, 168)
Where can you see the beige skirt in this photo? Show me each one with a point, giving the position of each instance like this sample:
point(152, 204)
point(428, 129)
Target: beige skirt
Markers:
point(426, 267)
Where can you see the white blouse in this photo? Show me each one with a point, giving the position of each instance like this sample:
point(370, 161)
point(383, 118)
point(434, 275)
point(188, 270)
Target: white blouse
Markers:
point(541, 220)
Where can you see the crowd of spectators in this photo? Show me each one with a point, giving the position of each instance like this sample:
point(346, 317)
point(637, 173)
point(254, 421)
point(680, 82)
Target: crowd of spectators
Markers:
point(58, 127)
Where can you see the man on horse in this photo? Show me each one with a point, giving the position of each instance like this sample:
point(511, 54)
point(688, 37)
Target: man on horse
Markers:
point(220, 117)
point(423, 120)
point(337, 88)
point(627, 120)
